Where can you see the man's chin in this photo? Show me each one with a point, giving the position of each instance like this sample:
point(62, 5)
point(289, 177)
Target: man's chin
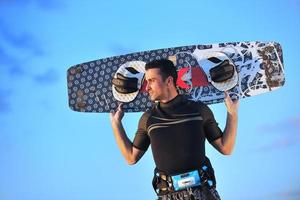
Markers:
point(152, 98)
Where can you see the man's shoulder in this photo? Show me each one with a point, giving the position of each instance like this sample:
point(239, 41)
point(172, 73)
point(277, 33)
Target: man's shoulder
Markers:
point(198, 104)
point(143, 122)
point(147, 114)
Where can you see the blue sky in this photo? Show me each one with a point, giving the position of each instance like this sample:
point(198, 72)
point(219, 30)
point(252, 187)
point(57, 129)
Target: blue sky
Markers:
point(49, 152)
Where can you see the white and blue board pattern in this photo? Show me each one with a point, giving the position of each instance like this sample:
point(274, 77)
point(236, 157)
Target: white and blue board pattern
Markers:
point(259, 65)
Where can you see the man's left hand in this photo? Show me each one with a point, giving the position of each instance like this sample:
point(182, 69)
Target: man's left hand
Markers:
point(232, 106)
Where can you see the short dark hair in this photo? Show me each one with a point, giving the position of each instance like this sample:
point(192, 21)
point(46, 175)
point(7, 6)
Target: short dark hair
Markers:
point(166, 67)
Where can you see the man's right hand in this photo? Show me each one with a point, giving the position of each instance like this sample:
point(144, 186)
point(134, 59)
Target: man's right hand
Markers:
point(130, 153)
point(117, 116)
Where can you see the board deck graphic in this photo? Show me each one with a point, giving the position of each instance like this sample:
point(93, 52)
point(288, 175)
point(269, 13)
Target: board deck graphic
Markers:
point(259, 67)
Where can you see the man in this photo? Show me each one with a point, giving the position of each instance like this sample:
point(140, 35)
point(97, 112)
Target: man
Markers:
point(176, 129)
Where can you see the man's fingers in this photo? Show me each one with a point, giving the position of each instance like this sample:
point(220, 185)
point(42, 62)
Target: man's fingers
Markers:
point(111, 115)
point(226, 94)
point(120, 107)
point(227, 97)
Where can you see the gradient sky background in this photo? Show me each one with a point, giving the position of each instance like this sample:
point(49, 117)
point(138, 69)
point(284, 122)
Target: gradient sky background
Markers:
point(48, 152)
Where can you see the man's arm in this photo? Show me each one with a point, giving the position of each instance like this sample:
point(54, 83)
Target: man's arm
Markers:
point(130, 153)
point(225, 144)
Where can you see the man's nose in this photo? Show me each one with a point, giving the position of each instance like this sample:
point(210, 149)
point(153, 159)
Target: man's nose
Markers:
point(147, 86)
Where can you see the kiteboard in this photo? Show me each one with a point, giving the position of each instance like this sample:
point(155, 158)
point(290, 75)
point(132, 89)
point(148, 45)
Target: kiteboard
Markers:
point(244, 69)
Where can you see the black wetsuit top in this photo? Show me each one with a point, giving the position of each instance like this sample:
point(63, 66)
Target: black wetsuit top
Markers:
point(177, 131)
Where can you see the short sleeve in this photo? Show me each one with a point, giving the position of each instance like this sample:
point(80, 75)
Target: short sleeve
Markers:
point(211, 128)
point(141, 139)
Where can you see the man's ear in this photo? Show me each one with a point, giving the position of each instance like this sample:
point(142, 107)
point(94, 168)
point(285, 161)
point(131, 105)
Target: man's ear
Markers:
point(170, 80)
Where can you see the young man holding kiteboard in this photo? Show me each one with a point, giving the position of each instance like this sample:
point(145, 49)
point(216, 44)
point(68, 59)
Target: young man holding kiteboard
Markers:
point(176, 129)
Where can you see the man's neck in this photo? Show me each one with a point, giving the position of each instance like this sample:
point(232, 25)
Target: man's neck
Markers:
point(170, 96)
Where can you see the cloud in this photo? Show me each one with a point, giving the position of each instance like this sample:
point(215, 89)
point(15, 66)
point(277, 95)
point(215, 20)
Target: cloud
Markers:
point(279, 144)
point(48, 77)
point(118, 49)
point(291, 124)
point(13, 41)
point(4, 102)
point(20, 40)
point(291, 194)
point(287, 133)
point(44, 4)
point(14, 64)
point(50, 4)
point(10, 65)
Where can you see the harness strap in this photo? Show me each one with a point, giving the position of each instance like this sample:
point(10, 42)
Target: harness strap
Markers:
point(222, 72)
point(124, 84)
point(162, 183)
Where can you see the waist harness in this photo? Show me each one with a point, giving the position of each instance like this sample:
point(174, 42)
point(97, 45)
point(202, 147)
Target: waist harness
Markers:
point(165, 183)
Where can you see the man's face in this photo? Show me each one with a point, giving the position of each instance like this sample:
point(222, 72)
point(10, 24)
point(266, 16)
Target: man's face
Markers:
point(156, 87)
